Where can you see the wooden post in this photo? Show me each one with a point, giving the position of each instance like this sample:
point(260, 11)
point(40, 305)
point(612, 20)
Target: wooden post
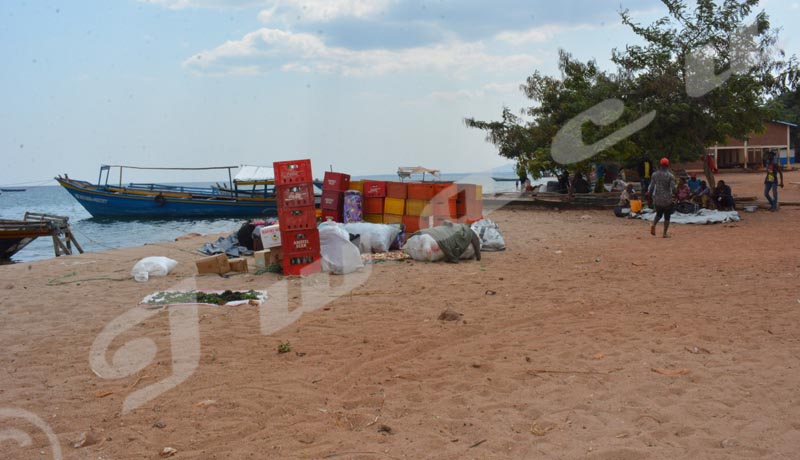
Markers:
point(788, 144)
point(745, 154)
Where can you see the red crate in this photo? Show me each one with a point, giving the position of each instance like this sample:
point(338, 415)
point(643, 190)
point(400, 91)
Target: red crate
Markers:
point(334, 215)
point(295, 195)
point(300, 242)
point(374, 188)
point(397, 190)
point(373, 205)
point(292, 172)
point(336, 181)
point(332, 199)
point(301, 218)
point(301, 265)
point(420, 191)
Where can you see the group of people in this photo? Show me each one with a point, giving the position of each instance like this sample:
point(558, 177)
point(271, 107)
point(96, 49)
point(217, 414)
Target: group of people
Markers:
point(665, 194)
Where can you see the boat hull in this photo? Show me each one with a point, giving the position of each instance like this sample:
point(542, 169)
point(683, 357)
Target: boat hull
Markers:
point(113, 204)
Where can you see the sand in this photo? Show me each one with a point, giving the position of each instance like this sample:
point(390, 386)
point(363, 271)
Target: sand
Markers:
point(553, 356)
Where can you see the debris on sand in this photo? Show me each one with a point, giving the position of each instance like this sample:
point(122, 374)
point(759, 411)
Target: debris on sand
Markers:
point(450, 315)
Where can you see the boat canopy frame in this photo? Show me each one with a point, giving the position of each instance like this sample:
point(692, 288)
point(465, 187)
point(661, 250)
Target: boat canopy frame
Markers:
point(107, 170)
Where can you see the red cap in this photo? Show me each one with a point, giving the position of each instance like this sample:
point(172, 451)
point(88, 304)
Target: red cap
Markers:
point(665, 161)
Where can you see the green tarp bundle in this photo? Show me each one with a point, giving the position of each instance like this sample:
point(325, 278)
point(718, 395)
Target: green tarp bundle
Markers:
point(453, 240)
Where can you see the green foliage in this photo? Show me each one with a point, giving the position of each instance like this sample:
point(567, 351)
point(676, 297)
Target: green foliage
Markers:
point(686, 49)
point(166, 297)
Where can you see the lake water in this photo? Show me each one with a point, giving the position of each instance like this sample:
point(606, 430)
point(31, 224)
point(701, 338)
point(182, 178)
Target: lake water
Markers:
point(101, 234)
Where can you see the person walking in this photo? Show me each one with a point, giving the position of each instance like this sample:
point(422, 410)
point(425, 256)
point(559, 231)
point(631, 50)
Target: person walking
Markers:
point(662, 189)
point(771, 182)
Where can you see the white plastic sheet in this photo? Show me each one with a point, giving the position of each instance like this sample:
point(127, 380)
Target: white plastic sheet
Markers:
point(705, 216)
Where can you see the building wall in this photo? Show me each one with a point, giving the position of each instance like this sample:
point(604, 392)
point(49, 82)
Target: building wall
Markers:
point(774, 134)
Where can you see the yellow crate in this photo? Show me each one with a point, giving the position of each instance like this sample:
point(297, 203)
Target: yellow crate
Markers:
point(392, 219)
point(374, 218)
point(478, 192)
point(418, 208)
point(357, 185)
point(396, 206)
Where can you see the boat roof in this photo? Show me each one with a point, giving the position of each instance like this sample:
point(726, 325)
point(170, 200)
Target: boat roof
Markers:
point(254, 173)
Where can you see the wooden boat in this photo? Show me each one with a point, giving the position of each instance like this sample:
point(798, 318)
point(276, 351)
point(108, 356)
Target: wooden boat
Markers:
point(251, 193)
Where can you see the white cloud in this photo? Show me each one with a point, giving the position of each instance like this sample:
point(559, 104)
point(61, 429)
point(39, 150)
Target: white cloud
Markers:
point(465, 95)
point(325, 10)
point(270, 49)
point(541, 34)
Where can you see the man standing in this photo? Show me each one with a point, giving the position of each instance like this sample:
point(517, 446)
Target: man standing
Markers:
point(662, 189)
point(771, 181)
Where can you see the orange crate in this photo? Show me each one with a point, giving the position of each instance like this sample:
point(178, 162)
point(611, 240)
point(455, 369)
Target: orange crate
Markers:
point(420, 191)
point(445, 192)
point(445, 209)
point(397, 190)
point(374, 188)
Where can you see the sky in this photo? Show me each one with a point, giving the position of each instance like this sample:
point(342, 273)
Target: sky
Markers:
point(360, 86)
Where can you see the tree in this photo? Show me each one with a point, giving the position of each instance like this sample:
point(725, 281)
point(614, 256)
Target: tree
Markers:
point(556, 101)
point(708, 74)
point(705, 75)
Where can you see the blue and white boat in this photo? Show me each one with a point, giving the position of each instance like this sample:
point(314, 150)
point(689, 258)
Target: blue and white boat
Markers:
point(251, 193)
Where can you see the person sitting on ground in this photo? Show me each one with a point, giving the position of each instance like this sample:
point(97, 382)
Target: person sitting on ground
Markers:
point(563, 182)
point(723, 197)
point(627, 195)
point(702, 195)
point(684, 193)
point(693, 182)
point(579, 184)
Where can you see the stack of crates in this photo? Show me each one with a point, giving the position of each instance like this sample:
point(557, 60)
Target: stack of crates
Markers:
point(332, 202)
point(294, 193)
point(374, 200)
point(469, 204)
point(418, 212)
point(394, 204)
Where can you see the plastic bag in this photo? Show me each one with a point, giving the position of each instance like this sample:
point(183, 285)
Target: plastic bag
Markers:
point(423, 248)
point(339, 255)
point(373, 237)
point(489, 233)
point(152, 266)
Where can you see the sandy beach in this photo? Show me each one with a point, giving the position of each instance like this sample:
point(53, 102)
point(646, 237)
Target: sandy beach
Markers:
point(586, 339)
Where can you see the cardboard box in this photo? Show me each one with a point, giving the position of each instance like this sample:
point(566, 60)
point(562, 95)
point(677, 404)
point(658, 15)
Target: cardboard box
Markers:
point(213, 264)
point(268, 257)
point(238, 265)
point(271, 236)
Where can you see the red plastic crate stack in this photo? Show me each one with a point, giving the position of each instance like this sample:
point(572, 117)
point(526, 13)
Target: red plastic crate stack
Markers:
point(332, 203)
point(295, 201)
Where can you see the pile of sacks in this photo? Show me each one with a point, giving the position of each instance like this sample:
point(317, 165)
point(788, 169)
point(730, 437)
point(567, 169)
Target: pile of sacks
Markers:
point(342, 244)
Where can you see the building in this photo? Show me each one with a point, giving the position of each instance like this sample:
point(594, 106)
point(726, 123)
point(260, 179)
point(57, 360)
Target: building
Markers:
point(750, 153)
